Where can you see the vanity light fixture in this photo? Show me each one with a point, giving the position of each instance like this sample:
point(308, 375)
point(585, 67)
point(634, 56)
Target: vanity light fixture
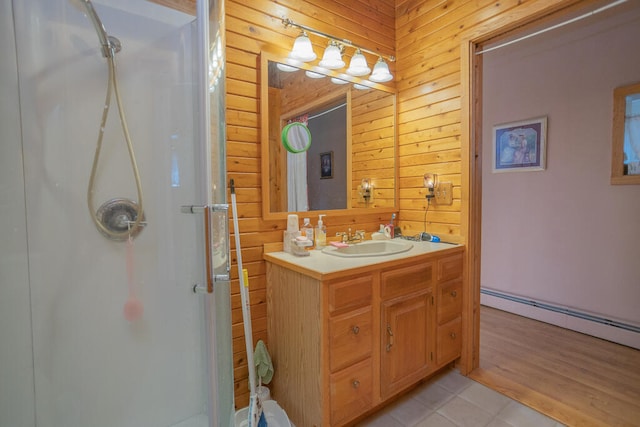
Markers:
point(381, 72)
point(358, 65)
point(366, 188)
point(332, 57)
point(302, 48)
point(430, 183)
point(314, 75)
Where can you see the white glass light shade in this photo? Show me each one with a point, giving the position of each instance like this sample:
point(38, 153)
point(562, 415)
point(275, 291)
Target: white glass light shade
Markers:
point(314, 75)
point(289, 68)
point(380, 72)
point(332, 58)
point(358, 65)
point(302, 49)
point(338, 81)
point(361, 87)
point(430, 180)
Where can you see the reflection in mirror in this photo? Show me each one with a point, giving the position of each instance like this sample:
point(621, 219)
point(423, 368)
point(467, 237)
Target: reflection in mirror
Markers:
point(296, 137)
point(625, 168)
point(351, 124)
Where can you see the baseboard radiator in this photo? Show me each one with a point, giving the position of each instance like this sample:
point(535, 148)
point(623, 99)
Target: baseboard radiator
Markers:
point(562, 310)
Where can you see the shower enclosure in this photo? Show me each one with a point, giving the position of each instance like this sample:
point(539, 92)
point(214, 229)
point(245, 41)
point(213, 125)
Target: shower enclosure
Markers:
point(70, 355)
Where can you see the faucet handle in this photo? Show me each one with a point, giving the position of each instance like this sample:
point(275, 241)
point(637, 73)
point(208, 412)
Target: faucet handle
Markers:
point(360, 234)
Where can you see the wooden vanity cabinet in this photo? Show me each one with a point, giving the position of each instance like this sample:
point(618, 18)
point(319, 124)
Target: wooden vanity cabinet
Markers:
point(407, 326)
point(344, 344)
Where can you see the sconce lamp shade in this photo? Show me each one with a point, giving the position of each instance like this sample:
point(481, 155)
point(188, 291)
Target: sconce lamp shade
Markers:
point(302, 49)
point(380, 72)
point(332, 58)
point(366, 188)
point(430, 181)
point(358, 65)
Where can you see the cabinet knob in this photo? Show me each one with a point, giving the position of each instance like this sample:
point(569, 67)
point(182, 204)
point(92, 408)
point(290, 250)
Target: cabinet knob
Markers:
point(453, 335)
point(355, 330)
point(355, 383)
point(454, 294)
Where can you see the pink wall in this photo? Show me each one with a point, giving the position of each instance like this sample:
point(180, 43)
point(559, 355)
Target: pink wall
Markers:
point(564, 235)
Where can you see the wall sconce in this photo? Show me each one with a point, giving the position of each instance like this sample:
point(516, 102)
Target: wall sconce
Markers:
point(430, 183)
point(332, 57)
point(366, 188)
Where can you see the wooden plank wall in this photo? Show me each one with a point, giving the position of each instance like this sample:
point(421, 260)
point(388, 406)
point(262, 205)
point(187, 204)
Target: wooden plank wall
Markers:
point(425, 36)
point(250, 28)
point(429, 34)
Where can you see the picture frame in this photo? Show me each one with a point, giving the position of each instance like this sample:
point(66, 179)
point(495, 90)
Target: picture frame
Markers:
point(326, 165)
point(520, 146)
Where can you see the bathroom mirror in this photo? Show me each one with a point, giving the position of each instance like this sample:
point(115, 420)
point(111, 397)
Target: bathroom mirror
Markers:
point(352, 122)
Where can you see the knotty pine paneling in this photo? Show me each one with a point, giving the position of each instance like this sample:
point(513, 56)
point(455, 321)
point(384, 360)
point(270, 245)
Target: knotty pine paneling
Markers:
point(252, 27)
point(425, 36)
point(429, 34)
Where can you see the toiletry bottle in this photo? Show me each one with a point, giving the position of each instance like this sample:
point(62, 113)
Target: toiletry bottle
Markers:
point(392, 226)
point(321, 233)
point(307, 231)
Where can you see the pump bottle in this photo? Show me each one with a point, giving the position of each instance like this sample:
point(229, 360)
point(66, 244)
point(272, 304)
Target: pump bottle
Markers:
point(321, 233)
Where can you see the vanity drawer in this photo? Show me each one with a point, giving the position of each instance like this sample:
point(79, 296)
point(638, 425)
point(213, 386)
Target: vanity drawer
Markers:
point(405, 280)
point(350, 338)
point(449, 301)
point(350, 293)
point(449, 343)
point(351, 392)
point(450, 268)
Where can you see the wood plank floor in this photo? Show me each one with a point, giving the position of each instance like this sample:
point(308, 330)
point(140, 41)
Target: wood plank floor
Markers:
point(574, 378)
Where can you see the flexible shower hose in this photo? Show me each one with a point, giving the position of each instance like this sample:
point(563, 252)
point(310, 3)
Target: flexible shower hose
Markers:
point(112, 85)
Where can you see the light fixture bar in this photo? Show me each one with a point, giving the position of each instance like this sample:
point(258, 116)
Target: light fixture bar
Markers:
point(289, 23)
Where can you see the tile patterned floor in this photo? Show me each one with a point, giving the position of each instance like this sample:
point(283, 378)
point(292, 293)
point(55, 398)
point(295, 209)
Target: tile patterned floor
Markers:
point(452, 400)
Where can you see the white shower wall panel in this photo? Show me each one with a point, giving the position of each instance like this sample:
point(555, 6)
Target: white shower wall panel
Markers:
point(92, 366)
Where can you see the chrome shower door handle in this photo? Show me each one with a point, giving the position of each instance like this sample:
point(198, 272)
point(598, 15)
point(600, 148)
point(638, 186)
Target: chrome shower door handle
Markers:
point(208, 212)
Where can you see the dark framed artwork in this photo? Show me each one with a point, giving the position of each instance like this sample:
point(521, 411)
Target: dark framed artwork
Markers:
point(326, 165)
point(520, 146)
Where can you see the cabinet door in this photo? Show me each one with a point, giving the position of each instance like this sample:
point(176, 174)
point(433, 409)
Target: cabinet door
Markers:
point(406, 352)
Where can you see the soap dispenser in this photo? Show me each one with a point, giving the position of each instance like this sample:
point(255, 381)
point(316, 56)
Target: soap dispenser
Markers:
point(321, 233)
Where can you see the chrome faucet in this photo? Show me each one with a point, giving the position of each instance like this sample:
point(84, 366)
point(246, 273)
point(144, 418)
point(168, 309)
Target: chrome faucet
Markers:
point(347, 237)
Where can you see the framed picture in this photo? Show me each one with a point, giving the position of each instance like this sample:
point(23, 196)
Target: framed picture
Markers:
point(520, 146)
point(326, 165)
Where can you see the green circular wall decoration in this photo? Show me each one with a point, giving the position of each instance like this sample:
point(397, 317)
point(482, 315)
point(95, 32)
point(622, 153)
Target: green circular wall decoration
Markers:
point(296, 137)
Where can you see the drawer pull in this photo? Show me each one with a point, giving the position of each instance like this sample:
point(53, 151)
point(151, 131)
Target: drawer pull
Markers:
point(355, 383)
point(355, 330)
point(390, 340)
point(453, 335)
point(454, 294)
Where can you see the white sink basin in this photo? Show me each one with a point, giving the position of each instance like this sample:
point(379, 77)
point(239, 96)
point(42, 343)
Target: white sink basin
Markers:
point(369, 248)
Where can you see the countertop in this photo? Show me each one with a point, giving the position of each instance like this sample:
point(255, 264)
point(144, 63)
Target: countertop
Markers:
point(323, 266)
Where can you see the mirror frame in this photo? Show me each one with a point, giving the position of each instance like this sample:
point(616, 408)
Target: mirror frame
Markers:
point(617, 157)
point(265, 57)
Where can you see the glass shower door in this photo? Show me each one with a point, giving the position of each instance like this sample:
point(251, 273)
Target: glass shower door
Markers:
point(70, 355)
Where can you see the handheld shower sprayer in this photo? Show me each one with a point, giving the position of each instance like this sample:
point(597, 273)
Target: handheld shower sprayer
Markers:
point(110, 45)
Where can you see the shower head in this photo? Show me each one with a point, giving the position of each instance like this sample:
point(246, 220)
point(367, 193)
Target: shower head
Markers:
point(110, 44)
